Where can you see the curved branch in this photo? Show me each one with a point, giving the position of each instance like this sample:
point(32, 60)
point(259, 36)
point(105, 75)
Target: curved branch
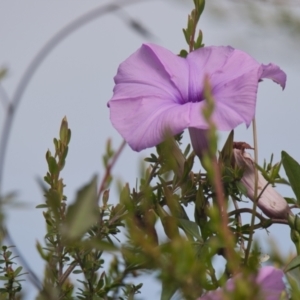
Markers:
point(264, 222)
point(39, 58)
point(4, 97)
point(23, 83)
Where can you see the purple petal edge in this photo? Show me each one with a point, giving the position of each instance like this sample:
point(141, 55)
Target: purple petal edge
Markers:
point(269, 279)
point(273, 72)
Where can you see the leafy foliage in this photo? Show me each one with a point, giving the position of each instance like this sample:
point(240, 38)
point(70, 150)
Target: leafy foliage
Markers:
point(82, 250)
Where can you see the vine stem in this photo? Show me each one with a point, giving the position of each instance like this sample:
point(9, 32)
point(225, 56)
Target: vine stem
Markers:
point(39, 58)
point(4, 97)
point(255, 190)
point(225, 231)
point(259, 216)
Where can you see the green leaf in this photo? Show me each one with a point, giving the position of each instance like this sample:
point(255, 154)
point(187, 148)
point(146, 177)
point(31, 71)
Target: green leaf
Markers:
point(42, 206)
point(187, 37)
point(17, 271)
point(198, 44)
point(281, 181)
point(190, 227)
point(293, 264)
point(83, 213)
point(54, 202)
point(3, 73)
point(290, 200)
point(52, 165)
point(97, 244)
point(292, 170)
point(168, 290)
point(64, 131)
point(242, 189)
point(8, 254)
point(226, 152)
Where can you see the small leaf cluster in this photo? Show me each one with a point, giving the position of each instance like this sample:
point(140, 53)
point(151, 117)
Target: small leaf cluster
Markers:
point(79, 234)
point(190, 31)
point(10, 275)
point(83, 255)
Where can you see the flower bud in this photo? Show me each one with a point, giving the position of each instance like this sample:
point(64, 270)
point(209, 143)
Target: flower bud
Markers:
point(270, 201)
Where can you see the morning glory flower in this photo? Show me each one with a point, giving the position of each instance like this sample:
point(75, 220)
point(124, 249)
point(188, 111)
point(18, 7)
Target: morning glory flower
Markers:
point(157, 91)
point(269, 280)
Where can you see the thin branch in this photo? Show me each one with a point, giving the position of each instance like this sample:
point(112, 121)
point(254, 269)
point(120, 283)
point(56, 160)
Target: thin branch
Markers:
point(134, 24)
point(109, 168)
point(247, 253)
point(39, 58)
point(227, 234)
point(240, 223)
point(66, 274)
point(264, 222)
point(4, 97)
point(152, 173)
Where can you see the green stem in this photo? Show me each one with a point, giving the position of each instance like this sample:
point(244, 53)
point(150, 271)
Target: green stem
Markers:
point(255, 191)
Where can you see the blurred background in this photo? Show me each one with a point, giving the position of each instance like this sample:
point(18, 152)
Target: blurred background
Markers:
point(76, 80)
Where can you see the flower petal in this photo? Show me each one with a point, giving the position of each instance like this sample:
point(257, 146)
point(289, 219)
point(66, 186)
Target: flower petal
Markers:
point(234, 77)
point(273, 72)
point(235, 101)
point(150, 87)
point(199, 140)
point(270, 280)
point(156, 67)
point(204, 61)
point(270, 201)
point(144, 121)
point(155, 88)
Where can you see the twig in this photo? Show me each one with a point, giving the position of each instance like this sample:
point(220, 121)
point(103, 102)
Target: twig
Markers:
point(152, 173)
point(108, 169)
point(4, 97)
point(247, 253)
point(227, 234)
point(134, 24)
point(262, 219)
point(66, 274)
point(240, 223)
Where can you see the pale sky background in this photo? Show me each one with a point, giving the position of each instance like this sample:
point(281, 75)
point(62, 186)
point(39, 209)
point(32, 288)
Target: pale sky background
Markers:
point(76, 80)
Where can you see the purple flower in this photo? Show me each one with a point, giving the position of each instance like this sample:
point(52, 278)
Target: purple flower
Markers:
point(269, 280)
point(157, 91)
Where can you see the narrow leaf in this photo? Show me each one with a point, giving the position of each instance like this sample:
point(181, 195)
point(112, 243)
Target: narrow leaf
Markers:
point(292, 170)
point(17, 271)
point(42, 206)
point(226, 152)
point(294, 263)
point(190, 227)
point(83, 213)
point(168, 290)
